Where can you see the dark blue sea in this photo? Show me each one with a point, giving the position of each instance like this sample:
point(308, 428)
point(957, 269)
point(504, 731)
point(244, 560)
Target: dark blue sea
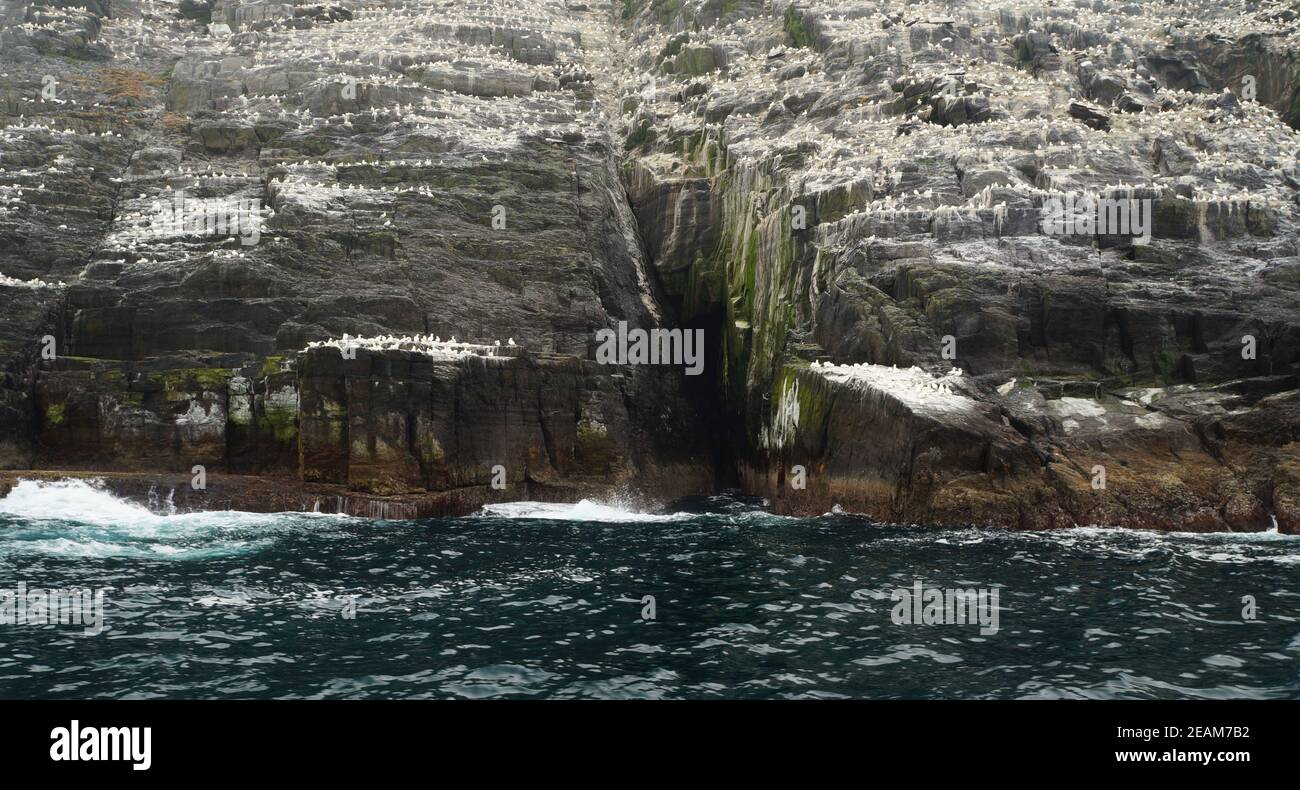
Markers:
point(713, 598)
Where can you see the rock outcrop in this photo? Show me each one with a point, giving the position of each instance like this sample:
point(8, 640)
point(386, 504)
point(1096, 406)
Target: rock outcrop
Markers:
point(205, 189)
point(884, 213)
point(955, 262)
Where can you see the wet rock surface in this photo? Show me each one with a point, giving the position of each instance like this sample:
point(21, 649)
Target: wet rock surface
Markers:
point(877, 214)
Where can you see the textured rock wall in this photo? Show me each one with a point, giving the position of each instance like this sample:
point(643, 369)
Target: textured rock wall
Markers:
point(202, 189)
point(395, 422)
point(848, 197)
point(842, 187)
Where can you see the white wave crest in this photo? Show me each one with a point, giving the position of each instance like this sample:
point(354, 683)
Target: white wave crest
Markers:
point(585, 510)
point(87, 502)
point(79, 518)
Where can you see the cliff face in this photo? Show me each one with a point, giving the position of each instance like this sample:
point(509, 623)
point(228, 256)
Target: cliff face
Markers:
point(853, 200)
point(844, 187)
point(208, 188)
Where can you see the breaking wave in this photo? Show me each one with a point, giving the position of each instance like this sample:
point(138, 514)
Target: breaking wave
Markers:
point(585, 510)
point(78, 518)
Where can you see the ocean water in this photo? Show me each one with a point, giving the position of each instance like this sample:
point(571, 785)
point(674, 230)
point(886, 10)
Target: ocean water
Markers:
point(549, 601)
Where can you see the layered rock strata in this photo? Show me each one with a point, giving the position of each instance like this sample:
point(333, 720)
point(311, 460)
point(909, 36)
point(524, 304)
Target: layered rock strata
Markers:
point(956, 262)
point(194, 193)
point(881, 210)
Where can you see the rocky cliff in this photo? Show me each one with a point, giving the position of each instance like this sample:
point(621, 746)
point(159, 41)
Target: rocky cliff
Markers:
point(955, 262)
point(195, 192)
point(859, 197)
